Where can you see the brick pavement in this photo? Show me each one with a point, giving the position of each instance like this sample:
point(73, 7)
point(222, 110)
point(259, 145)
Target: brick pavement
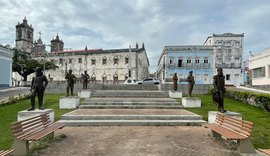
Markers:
point(138, 141)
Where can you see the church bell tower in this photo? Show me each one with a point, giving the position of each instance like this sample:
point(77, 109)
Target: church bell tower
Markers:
point(24, 36)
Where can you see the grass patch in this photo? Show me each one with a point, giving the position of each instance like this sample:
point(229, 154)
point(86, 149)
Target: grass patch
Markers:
point(8, 114)
point(260, 135)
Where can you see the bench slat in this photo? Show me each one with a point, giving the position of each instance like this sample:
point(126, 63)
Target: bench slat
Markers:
point(231, 128)
point(44, 132)
point(5, 152)
point(26, 133)
point(266, 151)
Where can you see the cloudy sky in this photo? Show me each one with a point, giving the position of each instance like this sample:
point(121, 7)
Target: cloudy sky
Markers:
point(110, 24)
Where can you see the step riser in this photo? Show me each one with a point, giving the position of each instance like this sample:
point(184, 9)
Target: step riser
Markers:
point(128, 117)
point(158, 100)
point(128, 107)
point(133, 123)
point(132, 95)
point(131, 103)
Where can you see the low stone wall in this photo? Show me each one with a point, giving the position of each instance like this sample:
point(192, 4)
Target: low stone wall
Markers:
point(197, 88)
point(60, 87)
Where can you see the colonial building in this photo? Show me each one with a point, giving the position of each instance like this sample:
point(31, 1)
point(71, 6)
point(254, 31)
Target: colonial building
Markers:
point(259, 68)
point(24, 36)
point(228, 54)
point(103, 66)
point(185, 58)
point(6, 66)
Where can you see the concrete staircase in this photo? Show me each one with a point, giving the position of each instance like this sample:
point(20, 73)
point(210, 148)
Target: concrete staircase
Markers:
point(131, 108)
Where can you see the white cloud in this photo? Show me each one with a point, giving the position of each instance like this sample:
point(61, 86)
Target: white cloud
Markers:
point(111, 24)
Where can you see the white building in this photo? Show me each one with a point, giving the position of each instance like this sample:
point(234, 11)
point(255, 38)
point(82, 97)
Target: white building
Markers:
point(103, 66)
point(259, 68)
point(228, 54)
point(5, 66)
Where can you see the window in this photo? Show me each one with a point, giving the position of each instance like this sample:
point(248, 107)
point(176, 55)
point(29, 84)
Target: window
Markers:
point(126, 60)
point(259, 72)
point(197, 60)
point(180, 61)
point(93, 61)
point(188, 60)
point(70, 60)
point(115, 79)
point(104, 60)
point(115, 60)
point(205, 60)
point(79, 60)
point(52, 60)
point(172, 60)
point(228, 76)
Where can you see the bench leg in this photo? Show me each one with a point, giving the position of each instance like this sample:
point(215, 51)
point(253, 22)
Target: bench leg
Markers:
point(216, 135)
point(21, 147)
point(245, 146)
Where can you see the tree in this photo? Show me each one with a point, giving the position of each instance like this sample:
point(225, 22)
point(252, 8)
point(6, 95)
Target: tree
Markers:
point(25, 65)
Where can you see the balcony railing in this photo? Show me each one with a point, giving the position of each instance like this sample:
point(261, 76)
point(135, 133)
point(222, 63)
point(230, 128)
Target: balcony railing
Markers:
point(189, 65)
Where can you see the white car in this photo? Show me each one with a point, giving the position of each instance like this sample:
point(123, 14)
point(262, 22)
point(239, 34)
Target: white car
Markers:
point(130, 81)
point(149, 81)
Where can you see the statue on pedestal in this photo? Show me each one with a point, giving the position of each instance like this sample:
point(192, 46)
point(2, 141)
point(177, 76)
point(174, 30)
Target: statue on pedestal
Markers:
point(38, 85)
point(219, 86)
point(191, 82)
point(85, 78)
point(71, 79)
point(175, 79)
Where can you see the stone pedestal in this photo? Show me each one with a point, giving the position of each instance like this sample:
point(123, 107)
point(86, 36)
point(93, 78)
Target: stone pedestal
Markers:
point(191, 102)
point(212, 115)
point(175, 94)
point(69, 102)
point(84, 94)
point(22, 115)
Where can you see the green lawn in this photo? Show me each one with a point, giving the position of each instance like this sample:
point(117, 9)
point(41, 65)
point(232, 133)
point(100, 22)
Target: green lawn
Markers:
point(8, 114)
point(260, 135)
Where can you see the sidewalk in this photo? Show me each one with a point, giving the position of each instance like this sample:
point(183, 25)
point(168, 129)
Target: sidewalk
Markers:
point(138, 141)
point(7, 93)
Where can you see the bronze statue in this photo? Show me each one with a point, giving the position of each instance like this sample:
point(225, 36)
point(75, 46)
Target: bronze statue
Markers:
point(191, 82)
point(71, 79)
point(175, 79)
point(219, 86)
point(85, 78)
point(38, 85)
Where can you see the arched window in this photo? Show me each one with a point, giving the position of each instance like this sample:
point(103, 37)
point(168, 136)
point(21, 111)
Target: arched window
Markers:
point(115, 60)
point(104, 60)
point(93, 60)
point(104, 78)
point(126, 60)
point(115, 79)
point(93, 78)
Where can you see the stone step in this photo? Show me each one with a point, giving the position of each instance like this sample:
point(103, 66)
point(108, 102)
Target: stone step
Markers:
point(111, 99)
point(130, 106)
point(132, 122)
point(129, 87)
point(129, 93)
point(131, 117)
point(130, 103)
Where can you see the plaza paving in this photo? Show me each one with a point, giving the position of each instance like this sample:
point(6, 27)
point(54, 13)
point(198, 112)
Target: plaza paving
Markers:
point(138, 141)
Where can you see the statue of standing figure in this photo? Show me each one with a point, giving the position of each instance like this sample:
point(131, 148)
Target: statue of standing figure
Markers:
point(191, 82)
point(219, 86)
point(85, 78)
point(175, 79)
point(38, 85)
point(71, 79)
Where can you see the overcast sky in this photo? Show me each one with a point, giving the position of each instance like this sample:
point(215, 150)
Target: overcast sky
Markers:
point(110, 24)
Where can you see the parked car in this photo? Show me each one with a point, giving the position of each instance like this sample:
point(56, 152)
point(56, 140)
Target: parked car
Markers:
point(149, 81)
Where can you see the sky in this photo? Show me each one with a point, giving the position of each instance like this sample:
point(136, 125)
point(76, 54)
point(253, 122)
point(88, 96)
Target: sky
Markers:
point(112, 24)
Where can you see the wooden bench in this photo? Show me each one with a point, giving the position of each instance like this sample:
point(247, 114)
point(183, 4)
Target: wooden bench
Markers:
point(32, 129)
point(233, 129)
point(5, 152)
point(265, 151)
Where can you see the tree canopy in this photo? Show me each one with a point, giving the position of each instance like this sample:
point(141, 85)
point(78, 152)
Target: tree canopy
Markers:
point(25, 65)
